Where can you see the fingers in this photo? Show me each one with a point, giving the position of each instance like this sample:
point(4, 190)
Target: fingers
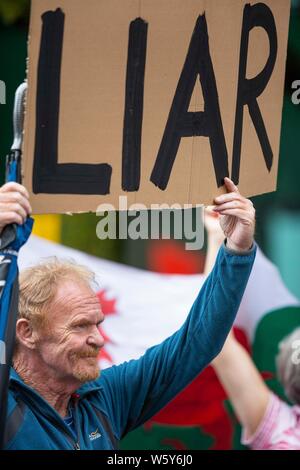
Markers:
point(14, 204)
point(14, 197)
point(10, 218)
point(234, 196)
point(240, 203)
point(12, 186)
point(238, 217)
point(230, 186)
point(239, 207)
point(245, 217)
point(14, 207)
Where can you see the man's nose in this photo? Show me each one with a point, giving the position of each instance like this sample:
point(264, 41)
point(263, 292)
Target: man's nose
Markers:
point(96, 338)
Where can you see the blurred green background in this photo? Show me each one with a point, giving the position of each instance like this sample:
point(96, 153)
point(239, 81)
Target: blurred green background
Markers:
point(278, 213)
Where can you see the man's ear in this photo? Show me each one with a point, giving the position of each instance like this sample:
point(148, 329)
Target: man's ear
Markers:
point(25, 333)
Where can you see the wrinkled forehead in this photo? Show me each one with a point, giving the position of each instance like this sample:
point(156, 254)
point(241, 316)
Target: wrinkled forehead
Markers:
point(73, 299)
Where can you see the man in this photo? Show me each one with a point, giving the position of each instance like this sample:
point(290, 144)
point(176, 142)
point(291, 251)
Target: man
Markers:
point(57, 399)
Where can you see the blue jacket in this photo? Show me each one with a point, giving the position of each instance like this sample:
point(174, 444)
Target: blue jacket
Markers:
point(127, 395)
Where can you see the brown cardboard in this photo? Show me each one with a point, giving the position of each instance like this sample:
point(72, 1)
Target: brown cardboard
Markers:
point(92, 95)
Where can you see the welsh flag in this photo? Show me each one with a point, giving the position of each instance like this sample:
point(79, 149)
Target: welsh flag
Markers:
point(142, 308)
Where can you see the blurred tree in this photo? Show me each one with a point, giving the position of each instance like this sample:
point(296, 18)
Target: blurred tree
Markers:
point(12, 11)
point(13, 54)
point(79, 231)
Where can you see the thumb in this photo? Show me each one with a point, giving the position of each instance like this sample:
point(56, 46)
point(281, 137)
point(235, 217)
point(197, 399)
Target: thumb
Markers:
point(230, 186)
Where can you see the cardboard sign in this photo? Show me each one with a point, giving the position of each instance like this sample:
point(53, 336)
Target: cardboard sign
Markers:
point(155, 100)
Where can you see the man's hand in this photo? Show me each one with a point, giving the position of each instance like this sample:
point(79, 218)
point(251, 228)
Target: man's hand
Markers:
point(14, 204)
point(237, 218)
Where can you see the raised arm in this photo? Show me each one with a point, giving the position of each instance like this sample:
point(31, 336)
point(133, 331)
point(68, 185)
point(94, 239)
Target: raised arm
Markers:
point(136, 390)
point(244, 385)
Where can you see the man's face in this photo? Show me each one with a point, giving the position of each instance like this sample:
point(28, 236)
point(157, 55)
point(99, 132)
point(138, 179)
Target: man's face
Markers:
point(70, 344)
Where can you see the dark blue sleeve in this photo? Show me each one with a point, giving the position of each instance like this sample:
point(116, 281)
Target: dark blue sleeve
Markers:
point(136, 390)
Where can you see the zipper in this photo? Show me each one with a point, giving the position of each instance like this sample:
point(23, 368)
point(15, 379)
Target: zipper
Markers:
point(75, 398)
point(70, 439)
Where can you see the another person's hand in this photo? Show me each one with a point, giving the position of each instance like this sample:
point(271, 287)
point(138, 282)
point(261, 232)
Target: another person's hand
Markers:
point(215, 238)
point(212, 225)
point(237, 218)
point(14, 204)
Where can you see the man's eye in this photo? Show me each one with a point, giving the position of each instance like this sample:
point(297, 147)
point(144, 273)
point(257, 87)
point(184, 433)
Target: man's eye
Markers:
point(82, 325)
